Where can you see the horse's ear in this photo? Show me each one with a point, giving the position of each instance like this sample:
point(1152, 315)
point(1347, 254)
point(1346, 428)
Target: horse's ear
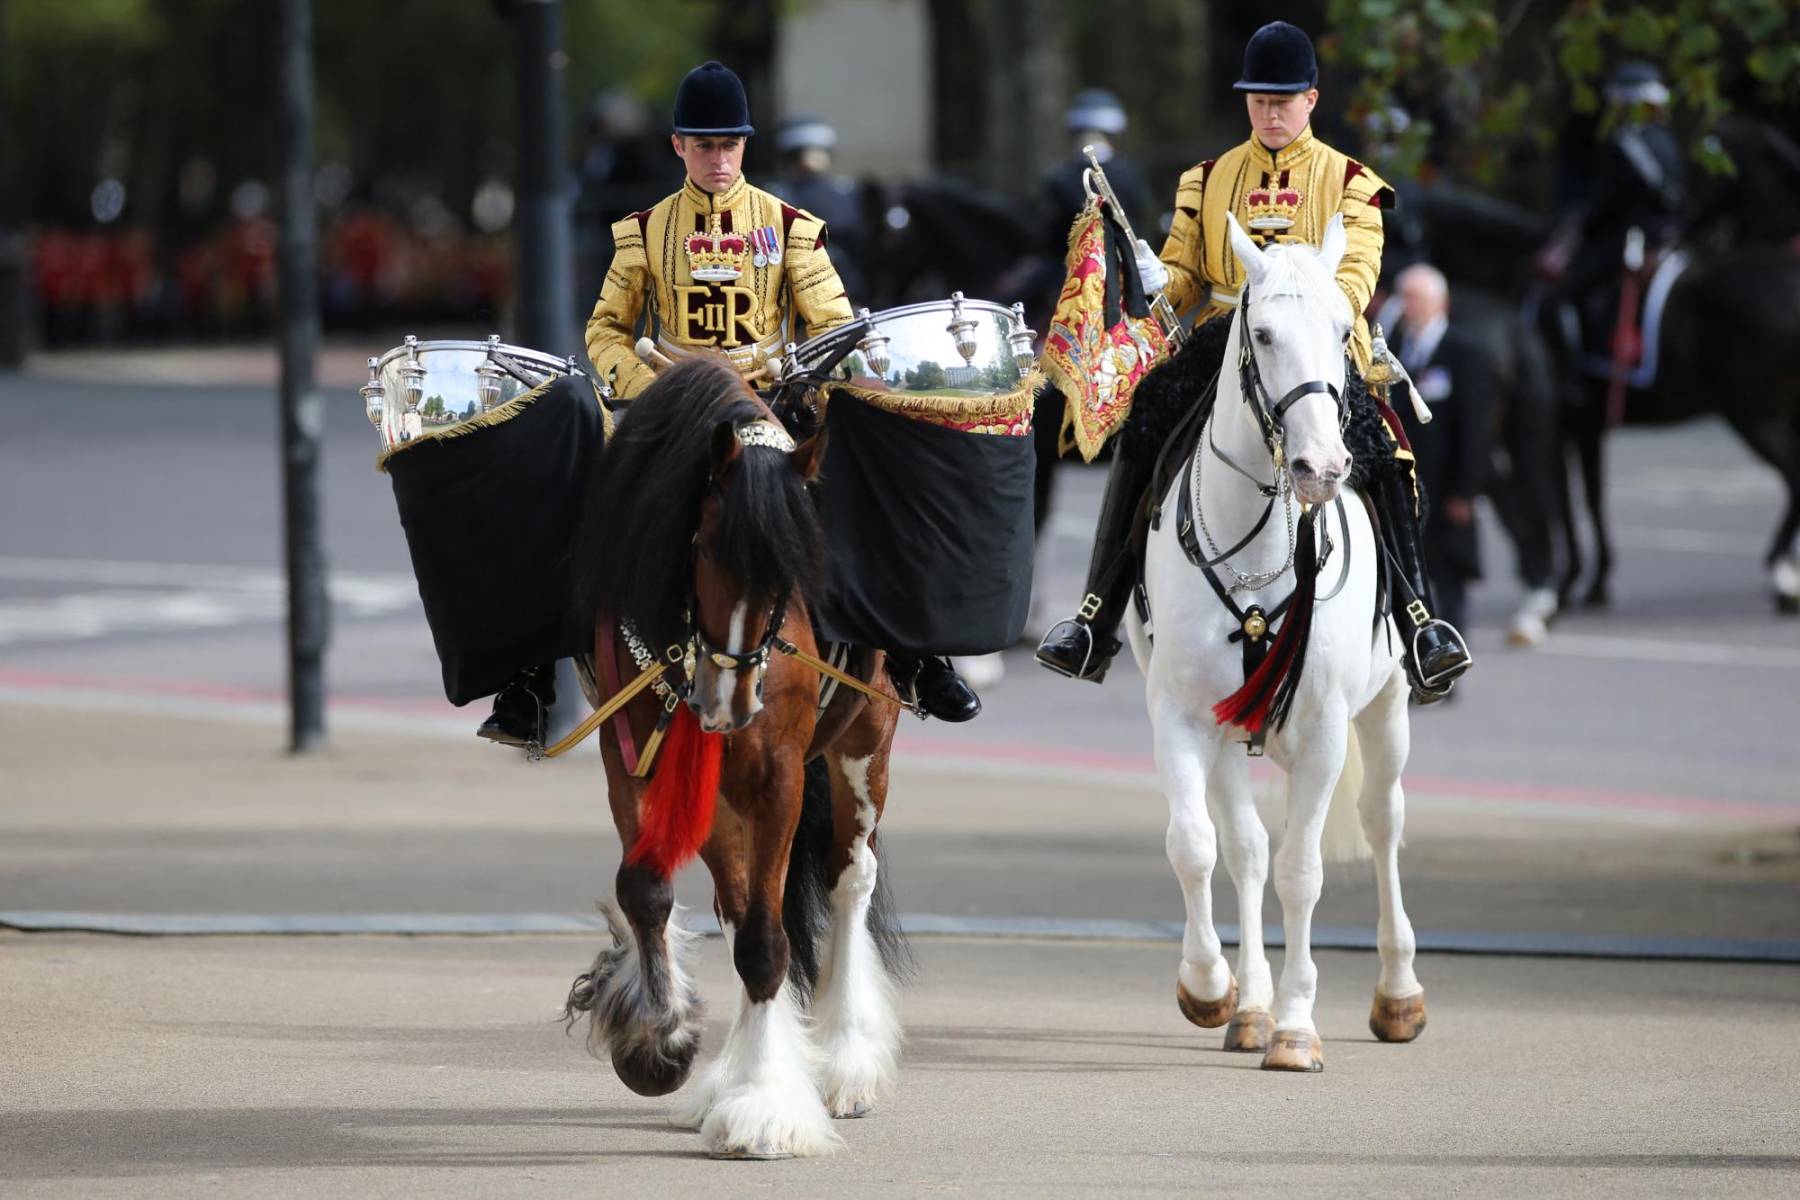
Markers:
point(1331, 249)
point(809, 456)
point(1248, 252)
point(725, 448)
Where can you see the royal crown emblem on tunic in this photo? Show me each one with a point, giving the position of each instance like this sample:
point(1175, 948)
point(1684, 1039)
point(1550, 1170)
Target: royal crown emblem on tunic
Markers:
point(715, 256)
point(1271, 209)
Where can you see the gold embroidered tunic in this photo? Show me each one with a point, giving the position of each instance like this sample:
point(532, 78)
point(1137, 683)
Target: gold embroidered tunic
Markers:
point(728, 272)
point(1286, 195)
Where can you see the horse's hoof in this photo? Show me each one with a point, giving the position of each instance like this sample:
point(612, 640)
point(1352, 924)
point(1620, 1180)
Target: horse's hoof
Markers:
point(1295, 1050)
point(1250, 1031)
point(756, 1152)
point(1207, 1014)
point(853, 1111)
point(1393, 1020)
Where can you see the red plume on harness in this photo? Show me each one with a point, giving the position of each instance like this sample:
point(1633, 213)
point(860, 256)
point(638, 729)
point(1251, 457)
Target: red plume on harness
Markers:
point(676, 814)
point(1268, 693)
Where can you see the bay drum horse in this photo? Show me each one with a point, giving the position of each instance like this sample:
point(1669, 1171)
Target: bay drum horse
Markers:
point(699, 543)
point(1330, 695)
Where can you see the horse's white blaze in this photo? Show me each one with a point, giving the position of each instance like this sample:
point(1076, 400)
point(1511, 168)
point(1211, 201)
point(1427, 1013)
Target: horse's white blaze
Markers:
point(759, 1094)
point(720, 715)
point(859, 1033)
point(1192, 666)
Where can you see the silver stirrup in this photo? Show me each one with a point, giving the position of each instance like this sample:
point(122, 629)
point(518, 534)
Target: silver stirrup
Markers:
point(1087, 658)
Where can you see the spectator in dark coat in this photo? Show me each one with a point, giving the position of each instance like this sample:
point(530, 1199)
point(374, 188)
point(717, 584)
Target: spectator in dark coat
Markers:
point(1455, 451)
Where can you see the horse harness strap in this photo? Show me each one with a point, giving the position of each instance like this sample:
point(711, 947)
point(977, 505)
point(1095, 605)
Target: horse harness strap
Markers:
point(831, 672)
point(1254, 622)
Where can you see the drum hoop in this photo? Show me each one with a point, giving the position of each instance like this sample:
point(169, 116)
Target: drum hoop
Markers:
point(534, 358)
point(841, 340)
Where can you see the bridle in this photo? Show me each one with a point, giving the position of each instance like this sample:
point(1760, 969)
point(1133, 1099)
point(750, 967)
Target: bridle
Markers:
point(768, 434)
point(1271, 415)
point(1271, 422)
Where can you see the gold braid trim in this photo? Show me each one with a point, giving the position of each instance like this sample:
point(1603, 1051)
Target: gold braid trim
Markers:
point(495, 416)
point(999, 414)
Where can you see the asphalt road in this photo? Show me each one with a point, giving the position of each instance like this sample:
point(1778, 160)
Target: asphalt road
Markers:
point(1634, 777)
point(139, 552)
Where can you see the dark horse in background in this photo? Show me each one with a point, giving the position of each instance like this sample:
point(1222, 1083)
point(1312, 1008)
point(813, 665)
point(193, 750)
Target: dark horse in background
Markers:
point(1730, 344)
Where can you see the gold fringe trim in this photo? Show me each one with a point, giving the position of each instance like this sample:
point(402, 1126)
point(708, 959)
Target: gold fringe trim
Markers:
point(1005, 407)
point(494, 416)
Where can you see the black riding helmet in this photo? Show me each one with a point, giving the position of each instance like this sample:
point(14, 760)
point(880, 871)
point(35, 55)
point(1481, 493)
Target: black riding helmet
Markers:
point(711, 102)
point(1279, 58)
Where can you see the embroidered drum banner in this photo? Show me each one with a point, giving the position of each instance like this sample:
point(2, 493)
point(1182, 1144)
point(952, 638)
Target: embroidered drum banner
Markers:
point(489, 509)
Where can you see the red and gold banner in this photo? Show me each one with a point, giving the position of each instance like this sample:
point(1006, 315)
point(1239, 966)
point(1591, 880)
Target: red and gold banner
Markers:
point(1096, 367)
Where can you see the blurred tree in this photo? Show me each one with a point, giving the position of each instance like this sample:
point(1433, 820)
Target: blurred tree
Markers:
point(1486, 85)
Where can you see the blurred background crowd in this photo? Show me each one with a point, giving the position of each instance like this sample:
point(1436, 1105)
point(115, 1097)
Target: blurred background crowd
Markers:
point(136, 205)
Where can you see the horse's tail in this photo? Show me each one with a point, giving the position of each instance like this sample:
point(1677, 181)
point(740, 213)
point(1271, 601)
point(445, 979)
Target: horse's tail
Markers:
point(1343, 840)
point(806, 897)
point(677, 810)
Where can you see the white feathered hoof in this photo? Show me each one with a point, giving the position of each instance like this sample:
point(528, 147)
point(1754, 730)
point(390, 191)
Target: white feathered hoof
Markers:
point(1397, 1020)
point(1207, 1014)
point(1295, 1050)
point(857, 1074)
point(769, 1120)
point(1250, 1031)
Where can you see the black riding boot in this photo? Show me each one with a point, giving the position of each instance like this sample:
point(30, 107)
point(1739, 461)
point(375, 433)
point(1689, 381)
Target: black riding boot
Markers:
point(522, 709)
point(1434, 652)
point(1083, 646)
point(932, 684)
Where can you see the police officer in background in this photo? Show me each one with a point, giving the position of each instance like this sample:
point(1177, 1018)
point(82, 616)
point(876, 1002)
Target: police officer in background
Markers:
point(1637, 180)
point(805, 145)
point(1095, 118)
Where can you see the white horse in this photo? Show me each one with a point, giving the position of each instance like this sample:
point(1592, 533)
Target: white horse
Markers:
point(1287, 435)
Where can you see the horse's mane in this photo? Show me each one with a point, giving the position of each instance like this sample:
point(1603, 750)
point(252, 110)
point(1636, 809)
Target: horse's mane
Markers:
point(633, 556)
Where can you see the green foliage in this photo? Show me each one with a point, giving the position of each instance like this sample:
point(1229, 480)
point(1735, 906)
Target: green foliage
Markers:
point(1486, 60)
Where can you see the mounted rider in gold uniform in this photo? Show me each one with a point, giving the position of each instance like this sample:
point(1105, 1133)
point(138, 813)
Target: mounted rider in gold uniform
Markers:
point(1284, 185)
point(723, 267)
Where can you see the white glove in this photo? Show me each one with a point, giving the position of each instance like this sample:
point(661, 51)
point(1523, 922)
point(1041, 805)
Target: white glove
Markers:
point(1150, 269)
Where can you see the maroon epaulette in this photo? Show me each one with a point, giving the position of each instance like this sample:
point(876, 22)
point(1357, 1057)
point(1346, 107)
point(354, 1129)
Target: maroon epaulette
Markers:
point(790, 214)
point(643, 220)
point(1382, 197)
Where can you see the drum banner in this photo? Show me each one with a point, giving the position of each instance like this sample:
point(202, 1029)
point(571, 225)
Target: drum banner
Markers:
point(489, 508)
point(928, 524)
point(1096, 353)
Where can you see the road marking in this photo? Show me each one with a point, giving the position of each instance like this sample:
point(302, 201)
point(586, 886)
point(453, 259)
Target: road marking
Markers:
point(1324, 937)
point(1667, 650)
point(1099, 770)
point(149, 597)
